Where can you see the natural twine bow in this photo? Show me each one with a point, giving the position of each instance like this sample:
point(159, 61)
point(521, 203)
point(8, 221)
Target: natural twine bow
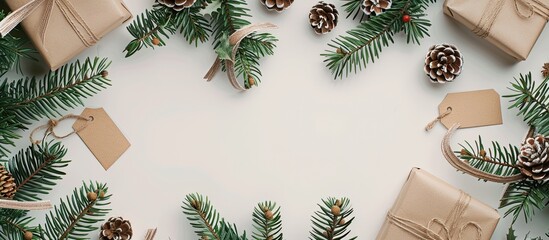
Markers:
point(40, 205)
point(449, 231)
point(52, 123)
point(234, 41)
point(68, 11)
point(494, 8)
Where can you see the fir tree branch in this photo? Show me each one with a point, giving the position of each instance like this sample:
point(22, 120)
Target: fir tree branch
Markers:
point(13, 49)
point(525, 198)
point(202, 215)
point(497, 160)
point(267, 222)
point(30, 99)
point(75, 217)
point(162, 22)
point(353, 7)
point(353, 51)
point(62, 89)
point(332, 221)
point(532, 101)
point(37, 169)
point(150, 25)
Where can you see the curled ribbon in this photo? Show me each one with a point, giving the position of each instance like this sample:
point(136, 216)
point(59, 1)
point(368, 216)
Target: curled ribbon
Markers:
point(150, 234)
point(68, 11)
point(234, 41)
point(494, 8)
point(450, 230)
point(466, 167)
point(52, 123)
point(40, 205)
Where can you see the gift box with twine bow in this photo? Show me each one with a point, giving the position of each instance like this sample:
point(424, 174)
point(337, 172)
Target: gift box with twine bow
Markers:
point(429, 208)
point(512, 25)
point(61, 29)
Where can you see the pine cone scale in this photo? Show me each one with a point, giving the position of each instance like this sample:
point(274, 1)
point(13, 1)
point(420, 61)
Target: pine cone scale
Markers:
point(116, 228)
point(443, 63)
point(323, 17)
point(375, 7)
point(7, 184)
point(277, 5)
point(533, 160)
point(177, 5)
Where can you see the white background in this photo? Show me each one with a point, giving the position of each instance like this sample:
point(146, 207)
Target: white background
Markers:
point(298, 137)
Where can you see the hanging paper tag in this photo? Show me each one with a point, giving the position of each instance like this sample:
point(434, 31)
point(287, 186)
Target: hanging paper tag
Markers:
point(471, 109)
point(102, 136)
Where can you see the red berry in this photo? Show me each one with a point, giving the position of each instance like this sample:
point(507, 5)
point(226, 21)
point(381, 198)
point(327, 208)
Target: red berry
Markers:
point(406, 18)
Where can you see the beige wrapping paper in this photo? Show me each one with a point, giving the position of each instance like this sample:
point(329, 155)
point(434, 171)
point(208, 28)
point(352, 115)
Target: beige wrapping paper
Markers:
point(515, 28)
point(61, 42)
point(426, 199)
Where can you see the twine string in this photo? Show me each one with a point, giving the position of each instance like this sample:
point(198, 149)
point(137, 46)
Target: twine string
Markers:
point(66, 8)
point(491, 12)
point(449, 228)
point(431, 125)
point(52, 123)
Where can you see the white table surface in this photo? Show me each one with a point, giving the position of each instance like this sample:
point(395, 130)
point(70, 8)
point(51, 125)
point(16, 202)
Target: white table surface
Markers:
point(298, 137)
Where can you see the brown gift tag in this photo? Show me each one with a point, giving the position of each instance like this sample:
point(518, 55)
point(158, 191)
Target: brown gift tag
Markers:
point(102, 136)
point(469, 109)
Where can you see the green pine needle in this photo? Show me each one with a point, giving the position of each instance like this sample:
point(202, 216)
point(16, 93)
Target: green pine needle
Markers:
point(524, 198)
point(353, 51)
point(13, 48)
point(202, 215)
point(14, 223)
point(220, 18)
point(267, 222)
point(532, 101)
point(498, 160)
point(37, 169)
point(77, 215)
point(332, 221)
point(29, 99)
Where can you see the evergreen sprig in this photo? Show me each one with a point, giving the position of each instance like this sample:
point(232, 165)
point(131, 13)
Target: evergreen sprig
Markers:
point(12, 49)
point(77, 215)
point(216, 18)
point(267, 222)
point(332, 221)
point(526, 197)
point(30, 98)
point(498, 160)
point(14, 223)
point(37, 169)
point(203, 216)
point(358, 47)
point(512, 236)
point(532, 101)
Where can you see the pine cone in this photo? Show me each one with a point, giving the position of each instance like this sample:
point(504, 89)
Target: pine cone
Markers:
point(177, 5)
point(545, 71)
point(376, 7)
point(443, 63)
point(116, 229)
point(323, 17)
point(534, 158)
point(277, 5)
point(7, 184)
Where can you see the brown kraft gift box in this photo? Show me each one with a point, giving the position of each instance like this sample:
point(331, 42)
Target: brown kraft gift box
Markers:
point(427, 205)
point(512, 25)
point(73, 26)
